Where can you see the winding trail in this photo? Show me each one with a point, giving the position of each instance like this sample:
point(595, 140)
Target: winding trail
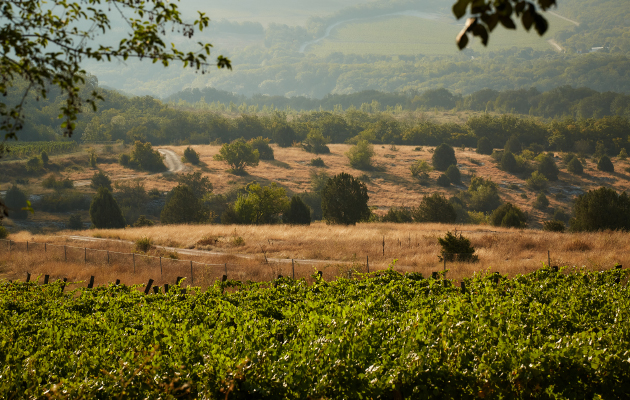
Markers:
point(564, 18)
point(172, 160)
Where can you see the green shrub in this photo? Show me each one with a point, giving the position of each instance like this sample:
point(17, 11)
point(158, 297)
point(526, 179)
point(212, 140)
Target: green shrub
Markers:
point(44, 157)
point(443, 180)
point(124, 160)
point(541, 202)
point(238, 155)
point(554, 226)
point(561, 215)
point(4, 232)
point(548, 168)
point(360, 155)
point(200, 185)
point(51, 182)
point(574, 166)
point(443, 157)
point(67, 201)
point(104, 211)
point(456, 247)
point(508, 162)
point(512, 145)
point(298, 212)
point(283, 134)
point(262, 204)
point(398, 215)
point(344, 200)
point(605, 164)
point(509, 216)
point(482, 195)
point(315, 142)
point(453, 174)
point(143, 221)
point(537, 181)
point(144, 157)
point(75, 223)
point(265, 152)
point(93, 160)
point(99, 179)
point(34, 165)
point(143, 244)
point(623, 154)
point(15, 199)
point(435, 208)
point(601, 209)
point(183, 207)
point(484, 146)
point(317, 162)
point(191, 156)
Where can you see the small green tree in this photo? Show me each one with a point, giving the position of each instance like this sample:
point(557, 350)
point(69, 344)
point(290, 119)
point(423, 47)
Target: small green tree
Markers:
point(455, 247)
point(298, 212)
point(509, 216)
point(265, 152)
point(360, 155)
point(605, 164)
point(34, 165)
point(398, 215)
point(482, 195)
point(93, 159)
point(513, 145)
point(623, 154)
point(183, 207)
point(104, 211)
point(143, 221)
point(575, 166)
point(537, 181)
point(44, 157)
point(548, 168)
point(200, 185)
point(315, 142)
point(443, 157)
point(144, 157)
point(15, 199)
point(508, 162)
point(261, 204)
point(283, 134)
point(238, 155)
point(435, 208)
point(601, 209)
point(542, 202)
point(344, 200)
point(420, 170)
point(554, 226)
point(454, 175)
point(191, 156)
point(484, 146)
point(443, 180)
point(75, 223)
point(99, 179)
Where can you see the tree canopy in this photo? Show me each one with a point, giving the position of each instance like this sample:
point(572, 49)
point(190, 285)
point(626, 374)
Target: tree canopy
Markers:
point(344, 200)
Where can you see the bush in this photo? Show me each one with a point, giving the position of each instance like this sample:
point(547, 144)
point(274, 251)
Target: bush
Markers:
point(561, 215)
point(200, 185)
point(482, 195)
point(508, 163)
point(537, 181)
point(420, 170)
point(623, 154)
point(443, 180)
point(317, 162)
point(398, 215)
point(605, 164)
point(456, 248)
point(315, 142)
point(183, 207)
point(261, 204)
point(51, 182)
point(554, 226)
point(124, 160)
point(344, 200)
point(15, 200)
point(548, 168)
point(191, 156)
point(435, 208)
point(143, 244)
point(44, 157)
point(75, 223)
point(68, 201)
point(298, 212)
point(283, 134)
point(4, 232)
point(93, 160)
point(265, 152)
point(99, 179)
point(601, 209)
point(360, 155)
point(484, 146)
point(238, 155)
point(143, 221)
point(574, 166)
point(144, 157)
point(512, 145)
point(453, 174)
point(508, 216)
point(34, 165)
point(541, 202)
point(443, 157)
point(104, 211)
point(314, 201)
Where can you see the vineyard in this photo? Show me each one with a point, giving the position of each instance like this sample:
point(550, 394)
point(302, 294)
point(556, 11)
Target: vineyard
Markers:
point(547, 334)
point(29, 149)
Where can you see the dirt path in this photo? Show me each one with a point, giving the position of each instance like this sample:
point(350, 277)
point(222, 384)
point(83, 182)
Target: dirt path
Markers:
point(172, 160)
point(564, 18)
point(555, 45)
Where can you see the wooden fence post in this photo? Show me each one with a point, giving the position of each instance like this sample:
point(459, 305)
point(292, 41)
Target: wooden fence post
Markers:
point(156, 289)
point(133, 255)
point(160, 266)
point(148, 288)
point(117, 282)
point(85, 255)
point(65, 253)
point(179, 279)
point(91, 284)
point(293, 268)
point(224, 278)
point(463, 285)
point(165, 288)
point(192, 278)
point(63, 285)
point(434, 275)
point(367, 263)
point(46, 278)
point(28, 277)
point(383, 245)
point(548, 259)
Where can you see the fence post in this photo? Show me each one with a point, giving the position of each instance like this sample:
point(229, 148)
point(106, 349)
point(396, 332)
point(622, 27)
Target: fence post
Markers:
point(148, 288)
point(548, 259)
point(293, 268)
point(225, 269)
point(107, 257)
point(65, 254)
point(91, 284)
point(133, 255)
point(161, 267)
point(85, 255)
point(46, 277)
point(165, 288)
point(383, 245)
point(192, 278)
point(28, 277)
point(63, 285)
point(117, 282)
point(27, 247)
point(367, 263)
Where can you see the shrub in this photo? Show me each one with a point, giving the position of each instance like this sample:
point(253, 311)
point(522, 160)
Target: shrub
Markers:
point(183, 207)
point(265, 152)
point(93, 160)
point(144, 157)
point(443, 157)
point(443, 180)
point(453, 174)
point(537, 181)
point(51, 182)
point(541, 202)
point(143, 244)
point(99, 179)
point(238, 155)
point(508, 162)
point(298, 212)
point(283, 134)
point(574, 166)
point(484, 146)
point(601, 209)
point(512, 145)
point(548, 168)
point(15, 200)
point(75, 223)
point(509, 216)
point(315, 142)
point(143, 221)
point(191, 156)
point(456, 247)
point(605, 164)
point(34, 165)
point(435, 208)
point(104, 211)
point(132, 199)
point(398, 215)
point(554, 226)
point(124, 160)
point(482, 195)
point(623, 154)
point(200, 185)
point(344, 200)
point(44, 157)
point(420, 169)
point(261, 204)
point(68, 201)
point(360, 155)
point(4, 232)
point(317, 162)
point(561, 215)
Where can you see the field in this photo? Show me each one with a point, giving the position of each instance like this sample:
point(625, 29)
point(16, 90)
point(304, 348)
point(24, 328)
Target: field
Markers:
point(544, 335)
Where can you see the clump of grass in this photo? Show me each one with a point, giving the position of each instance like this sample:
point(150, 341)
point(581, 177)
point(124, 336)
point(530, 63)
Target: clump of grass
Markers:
point(143, 244)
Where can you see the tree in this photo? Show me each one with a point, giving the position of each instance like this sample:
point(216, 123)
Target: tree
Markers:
point(484, 146)
point(191, 156)
point(298, 212)
point(283, 134)
point(45, 47)
point(238, 155)
point(508, 216)
point(453, 174)
point(443, 157)
point(261, 204)
point(360, 155)
point(104, 211)
point(512, 145)
point(99, 179)
point(605, 164)
point(344, 200)
point(537, 181)
point(456, 248)
point(315, 142)
point(15, 199)
point(145, 158)
point(482, 195)
point(74, 222)
point(508, 162)
point(183, 207)
point(200, 185)
point(44, 157)
point(601, 209)
point(542, 202)
point(575, 166)
point(548, 168)
point(265, 152)
point(443, 180)
point(435, 208)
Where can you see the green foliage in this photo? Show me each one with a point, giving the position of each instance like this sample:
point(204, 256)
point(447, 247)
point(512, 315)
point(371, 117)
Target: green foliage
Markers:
point(44, 157)
point(51, 182)
point(435, 208)
point(420, 170)
point(360, 155)
point(508, 216)
point(453, 174)
point(317, 162)
point(144, 157)
point(15, 199)
point(443, 157)
point(4, 232)
point(298, 212)
point(283, 134)
point(238, 155)
point(104, 211)
point(132, 198)
point(484, 146)
point(623, 154)
point(314, 201)
point(344, 200)
point(537, 181)
point(99, 179)
point(513, 145)
point(398, 215)
point(183, 207)
point(66, 201)
point(443, 180)
point(143, 221)
point(261, 204)
point(601, 209)
point(482, 195)
point(191, 156)
point(28, 149)
point(561, 215)
point(265, 152)
point(93, 159)
point(605, 164)
point(541, 202)
point(508, 163)
point(319, 181)
point(574, 166)
point(315, 142)
point(456, 247)
point(75, 223)
point(200, 185)
point(554, 226)
point(548, 168)
point(124, 159)
point(34, 165)
point(143, 244)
